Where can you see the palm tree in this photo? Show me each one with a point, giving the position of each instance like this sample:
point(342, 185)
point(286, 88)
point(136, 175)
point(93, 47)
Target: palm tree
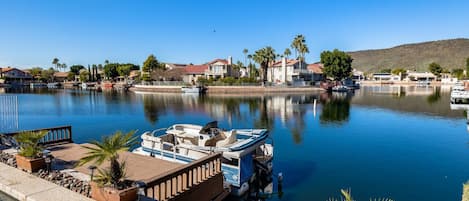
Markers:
point(347, 196)
point(108, 150)
point(287, 53)
point(64, 66)
point(106, 62)
point(245, 52)
point(55, 61)
point(300, 47)
point(264, 57)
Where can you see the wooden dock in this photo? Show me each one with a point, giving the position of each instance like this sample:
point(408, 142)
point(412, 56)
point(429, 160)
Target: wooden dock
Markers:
point(199, 180)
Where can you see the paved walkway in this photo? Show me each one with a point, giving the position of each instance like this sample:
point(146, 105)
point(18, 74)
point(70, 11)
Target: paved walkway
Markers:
point(24, 186)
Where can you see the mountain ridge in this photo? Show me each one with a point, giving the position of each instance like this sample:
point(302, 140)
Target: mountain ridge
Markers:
point(449, 53)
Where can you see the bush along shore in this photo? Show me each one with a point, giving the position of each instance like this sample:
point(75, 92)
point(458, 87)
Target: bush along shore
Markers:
point(60, 178)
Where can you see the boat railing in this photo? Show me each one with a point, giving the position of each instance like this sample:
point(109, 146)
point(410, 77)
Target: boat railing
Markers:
point(55, 135)
point(185, 179)
point(158, 132)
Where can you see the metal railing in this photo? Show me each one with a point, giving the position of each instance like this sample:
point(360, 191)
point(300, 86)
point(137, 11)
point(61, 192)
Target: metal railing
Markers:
point(182, 179)
point(55, 135)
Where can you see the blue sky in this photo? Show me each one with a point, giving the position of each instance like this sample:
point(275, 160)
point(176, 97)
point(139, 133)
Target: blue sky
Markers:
point(33, 32)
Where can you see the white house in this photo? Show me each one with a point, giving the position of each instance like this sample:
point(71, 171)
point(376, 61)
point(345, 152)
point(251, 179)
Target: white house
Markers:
point(288, 71)
point(385, 77)
point(219, 68)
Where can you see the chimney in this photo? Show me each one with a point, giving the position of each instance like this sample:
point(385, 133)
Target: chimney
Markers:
point(230, 60)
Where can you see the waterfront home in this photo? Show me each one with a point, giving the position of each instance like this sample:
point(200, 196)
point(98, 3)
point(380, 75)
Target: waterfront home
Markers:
point(447, 78)
point(317, 72)
point(60, 76)
point(385, 77)
point(288, 71)
point(15, 76)
point(416, 76)
point(193, 72)
point(219, 68)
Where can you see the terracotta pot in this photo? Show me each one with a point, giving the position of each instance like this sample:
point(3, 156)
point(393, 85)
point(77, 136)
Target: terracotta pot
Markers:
point(30, 164)
point(112, 194)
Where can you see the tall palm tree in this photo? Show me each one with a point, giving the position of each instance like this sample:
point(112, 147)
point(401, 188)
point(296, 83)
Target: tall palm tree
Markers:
point(300, 47)
point(55, 61)
point(287, 53)
point(106, 61)
point(245, 52)
point(108, 150)
point(264, 57)
point(64, 66)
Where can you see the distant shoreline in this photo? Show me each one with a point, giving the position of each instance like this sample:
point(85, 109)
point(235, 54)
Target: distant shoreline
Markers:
point(228, 89)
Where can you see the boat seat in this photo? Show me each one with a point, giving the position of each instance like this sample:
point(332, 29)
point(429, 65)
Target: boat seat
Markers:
point(230, 137)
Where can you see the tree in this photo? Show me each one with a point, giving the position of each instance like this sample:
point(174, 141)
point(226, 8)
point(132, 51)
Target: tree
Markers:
point(287, 52)
point(245, 52)
point(467, 67)
point(47, 75)
point(337, 64)
point(398, 71)
point(84, 76)
point(385, 70)
point(300, 47)
point(110, 70)
point(151, 63)
point(458, 73)
point(435, 69)
point(108, 150)
point(36, 72)
point(76, 69)
point(264, 57)
point(55, 61)
point(71, 76)
point(124, 70)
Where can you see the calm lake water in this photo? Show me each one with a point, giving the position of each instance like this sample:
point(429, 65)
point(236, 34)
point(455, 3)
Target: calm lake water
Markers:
point(399, 142)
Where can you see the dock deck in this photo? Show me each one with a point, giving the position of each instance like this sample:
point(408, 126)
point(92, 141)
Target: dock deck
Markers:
point(139, 168)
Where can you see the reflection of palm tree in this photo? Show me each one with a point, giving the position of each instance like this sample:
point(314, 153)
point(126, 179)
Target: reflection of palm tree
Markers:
point(298, 126)
point(335, 110)
point(435, 97)
point(264, 120)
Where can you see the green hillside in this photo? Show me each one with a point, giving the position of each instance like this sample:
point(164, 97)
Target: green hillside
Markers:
point(449, 54)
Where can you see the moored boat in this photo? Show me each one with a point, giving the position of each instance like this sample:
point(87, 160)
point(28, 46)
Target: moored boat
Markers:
point(246, 152)
point(193, 89)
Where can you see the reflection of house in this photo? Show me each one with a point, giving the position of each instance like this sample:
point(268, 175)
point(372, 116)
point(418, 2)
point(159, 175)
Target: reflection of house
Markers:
point(60, 76)
point(193, 72)
point(385, 77)
point(317, 71)
point(219, 68)
point(414, 76)
point(447, 78)
point(14, 76)
point(288, 71)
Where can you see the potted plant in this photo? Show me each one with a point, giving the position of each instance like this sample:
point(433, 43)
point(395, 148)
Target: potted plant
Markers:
point(110, 183)
point(29, 156)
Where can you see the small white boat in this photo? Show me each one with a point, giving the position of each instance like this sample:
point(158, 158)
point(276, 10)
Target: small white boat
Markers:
point(85, 85)
point(53, 85)
point(37, 85)
point(459, 94)
point(246, 152)
point(340, 88)
point(193, 89)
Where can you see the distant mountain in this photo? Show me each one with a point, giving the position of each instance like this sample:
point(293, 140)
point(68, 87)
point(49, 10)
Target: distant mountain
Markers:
point(449, 54)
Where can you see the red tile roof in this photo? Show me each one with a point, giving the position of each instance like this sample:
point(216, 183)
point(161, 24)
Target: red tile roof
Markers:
point(290, 62)
point(316, 67)
point(4, 70)
point(61, 74)
point(196, 69)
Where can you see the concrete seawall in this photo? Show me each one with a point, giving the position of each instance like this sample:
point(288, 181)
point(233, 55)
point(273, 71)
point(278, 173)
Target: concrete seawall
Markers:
point(229, 89)
point(26, 187)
